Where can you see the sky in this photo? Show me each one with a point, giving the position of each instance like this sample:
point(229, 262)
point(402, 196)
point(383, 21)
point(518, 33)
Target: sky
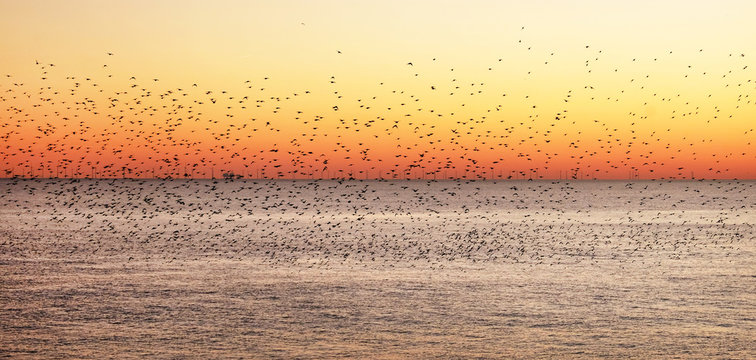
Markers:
point(367, 89)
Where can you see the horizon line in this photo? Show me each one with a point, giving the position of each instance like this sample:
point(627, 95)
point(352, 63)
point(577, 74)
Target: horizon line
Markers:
point(372, 179)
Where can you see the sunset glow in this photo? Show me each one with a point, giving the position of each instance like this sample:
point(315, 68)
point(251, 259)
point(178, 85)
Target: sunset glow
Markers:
point(337, 89)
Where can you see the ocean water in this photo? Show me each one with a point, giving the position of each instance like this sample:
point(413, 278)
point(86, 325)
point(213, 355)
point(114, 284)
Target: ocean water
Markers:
point(94, 269)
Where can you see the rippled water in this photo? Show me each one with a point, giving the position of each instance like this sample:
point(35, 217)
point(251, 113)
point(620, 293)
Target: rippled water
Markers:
point(326, 269)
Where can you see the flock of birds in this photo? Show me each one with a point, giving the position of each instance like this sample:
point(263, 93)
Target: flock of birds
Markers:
point(389, 223)
point(443, 125)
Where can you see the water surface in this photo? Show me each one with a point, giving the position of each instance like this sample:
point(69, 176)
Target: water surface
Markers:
point(369, 269)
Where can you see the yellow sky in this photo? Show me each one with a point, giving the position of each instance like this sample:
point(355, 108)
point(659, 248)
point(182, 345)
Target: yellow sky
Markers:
point(670, 74)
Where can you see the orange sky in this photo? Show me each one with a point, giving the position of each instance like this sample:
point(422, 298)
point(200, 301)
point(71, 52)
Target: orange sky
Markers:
point(325, 89)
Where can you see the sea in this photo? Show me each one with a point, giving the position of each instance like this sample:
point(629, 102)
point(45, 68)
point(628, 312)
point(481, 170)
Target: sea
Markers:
point(377, 269)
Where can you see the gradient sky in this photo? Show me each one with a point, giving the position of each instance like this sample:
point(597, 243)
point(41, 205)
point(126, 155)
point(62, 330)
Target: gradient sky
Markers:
point(603, 89)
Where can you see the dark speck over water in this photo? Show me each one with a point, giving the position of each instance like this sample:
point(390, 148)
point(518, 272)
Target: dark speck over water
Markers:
point(96, 269)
